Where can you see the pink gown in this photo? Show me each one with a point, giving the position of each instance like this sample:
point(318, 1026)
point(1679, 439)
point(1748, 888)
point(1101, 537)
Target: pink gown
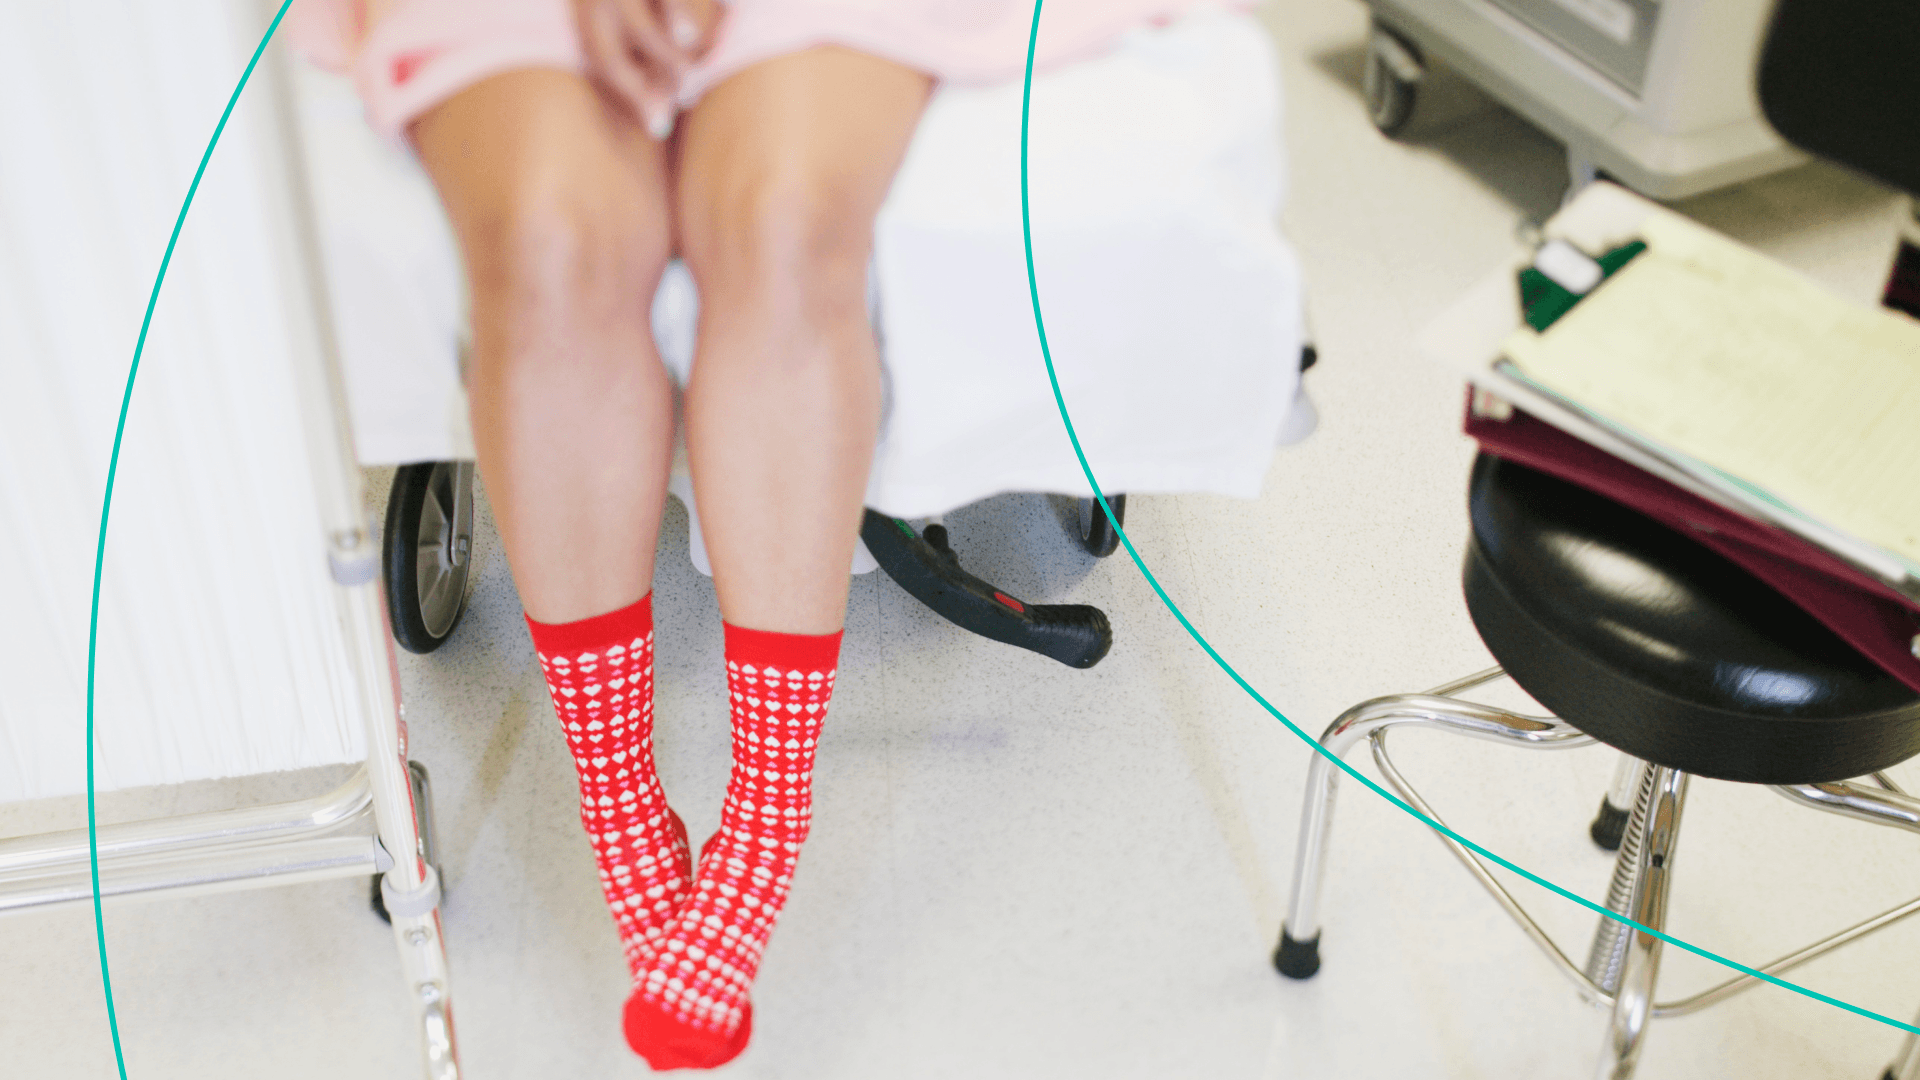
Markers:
point(421, 52)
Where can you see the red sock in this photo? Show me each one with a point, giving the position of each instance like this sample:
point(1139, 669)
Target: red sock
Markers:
point(600, 672)
point(689, 1008)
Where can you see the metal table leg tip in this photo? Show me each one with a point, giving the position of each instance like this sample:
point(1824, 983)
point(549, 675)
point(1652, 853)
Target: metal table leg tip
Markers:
point(1609, 826)
point(1297, 959)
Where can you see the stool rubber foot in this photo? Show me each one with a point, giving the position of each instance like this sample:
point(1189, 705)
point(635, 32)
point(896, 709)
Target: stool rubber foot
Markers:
point(1297, 959)
point(1609, 826)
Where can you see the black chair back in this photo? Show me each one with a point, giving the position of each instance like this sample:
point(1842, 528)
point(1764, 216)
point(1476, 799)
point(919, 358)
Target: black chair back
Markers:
point(1840, 79)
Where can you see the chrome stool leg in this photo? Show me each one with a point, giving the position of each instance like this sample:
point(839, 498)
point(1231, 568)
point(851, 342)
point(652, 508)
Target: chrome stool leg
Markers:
point(1298, 954)
point(1609, 949)
point(1623, 965)
point(1887, 806)
point(1657, 825)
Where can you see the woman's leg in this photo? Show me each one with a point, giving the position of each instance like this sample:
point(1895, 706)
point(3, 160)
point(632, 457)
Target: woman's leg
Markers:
point(561, 211)
point(782, 170)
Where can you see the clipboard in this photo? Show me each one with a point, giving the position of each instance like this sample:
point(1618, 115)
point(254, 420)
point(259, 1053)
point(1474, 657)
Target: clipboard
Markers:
point(1471, 337)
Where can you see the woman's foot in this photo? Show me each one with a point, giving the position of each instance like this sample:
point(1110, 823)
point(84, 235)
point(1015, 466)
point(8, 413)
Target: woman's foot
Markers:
point(690, 1006)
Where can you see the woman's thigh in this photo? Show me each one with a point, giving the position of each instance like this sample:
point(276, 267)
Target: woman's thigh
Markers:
point(560, 203)
point(782, 169)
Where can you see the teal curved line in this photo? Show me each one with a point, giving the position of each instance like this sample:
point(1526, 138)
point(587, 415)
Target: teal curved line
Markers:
point(93, 848)
point(1033, 288)
point(106, 511)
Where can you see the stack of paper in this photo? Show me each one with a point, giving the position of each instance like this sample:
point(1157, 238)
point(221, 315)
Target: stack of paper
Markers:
point(1720, 355)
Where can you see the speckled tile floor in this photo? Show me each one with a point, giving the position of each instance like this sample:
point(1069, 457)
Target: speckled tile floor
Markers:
point(1021, 870)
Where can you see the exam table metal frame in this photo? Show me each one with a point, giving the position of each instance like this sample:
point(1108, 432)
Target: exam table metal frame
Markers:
point(379, 820)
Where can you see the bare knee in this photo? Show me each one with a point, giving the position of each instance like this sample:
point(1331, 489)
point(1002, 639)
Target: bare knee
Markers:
point(791, 253)
point(565, 255)
point(562, 221)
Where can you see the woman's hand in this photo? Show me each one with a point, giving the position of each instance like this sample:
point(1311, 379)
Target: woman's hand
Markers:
point(638, 50)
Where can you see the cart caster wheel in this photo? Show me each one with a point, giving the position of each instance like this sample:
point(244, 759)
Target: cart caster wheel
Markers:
point(1097, 534)
point(427, 551)
point(423, 811)
point(1391, 80)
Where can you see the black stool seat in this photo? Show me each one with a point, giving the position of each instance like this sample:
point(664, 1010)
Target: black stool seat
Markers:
point(1648, 641)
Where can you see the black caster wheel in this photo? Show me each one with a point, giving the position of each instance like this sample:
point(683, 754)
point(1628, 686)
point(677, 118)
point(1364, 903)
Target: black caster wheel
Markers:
point(423, 810)
point(1391, 80)
point(1097, 534)
point(1609, 826)
point(427, 551)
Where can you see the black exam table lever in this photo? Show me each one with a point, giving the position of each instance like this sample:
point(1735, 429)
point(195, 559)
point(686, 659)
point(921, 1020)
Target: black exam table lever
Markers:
point(1077, 635)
